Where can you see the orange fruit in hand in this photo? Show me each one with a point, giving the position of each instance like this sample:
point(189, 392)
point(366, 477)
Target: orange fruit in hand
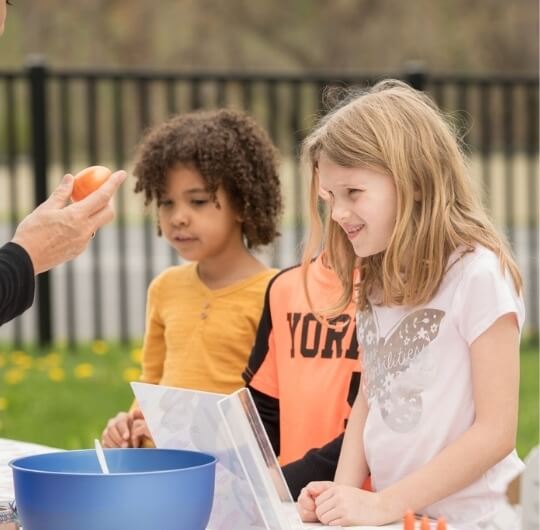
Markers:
point(89, 180)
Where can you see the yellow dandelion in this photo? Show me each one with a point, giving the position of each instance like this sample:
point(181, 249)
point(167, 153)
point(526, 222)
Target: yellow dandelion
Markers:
point(100, 347)
point(14, 376)
point(23, 361)
point(52, 359)
point(136, 355)
point(56, 374)
point(16, 355)
point(131, 374)
point(83, 371)
point(3, 404)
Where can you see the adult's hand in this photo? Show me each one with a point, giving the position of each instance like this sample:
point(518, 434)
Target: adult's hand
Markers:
point(56, 232)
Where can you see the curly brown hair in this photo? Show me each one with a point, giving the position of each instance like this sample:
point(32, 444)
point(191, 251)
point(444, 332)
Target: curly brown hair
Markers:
point(228, 149)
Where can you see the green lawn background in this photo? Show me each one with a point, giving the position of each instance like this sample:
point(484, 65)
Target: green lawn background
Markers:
point(63, 399)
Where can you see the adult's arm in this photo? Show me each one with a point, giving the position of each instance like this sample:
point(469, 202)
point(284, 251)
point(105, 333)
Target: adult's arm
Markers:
point(17, 282)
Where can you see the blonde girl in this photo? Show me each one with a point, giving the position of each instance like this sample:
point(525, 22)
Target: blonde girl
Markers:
point(439, 318)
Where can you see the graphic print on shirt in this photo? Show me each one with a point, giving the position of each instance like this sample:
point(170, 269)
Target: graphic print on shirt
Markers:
point(310, 339)
point(397, 370)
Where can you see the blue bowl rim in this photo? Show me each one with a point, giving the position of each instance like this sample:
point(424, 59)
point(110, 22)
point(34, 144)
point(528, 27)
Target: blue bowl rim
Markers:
point(13, 464)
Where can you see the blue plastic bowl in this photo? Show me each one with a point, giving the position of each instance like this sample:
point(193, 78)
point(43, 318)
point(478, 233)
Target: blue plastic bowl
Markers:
point(148, 489)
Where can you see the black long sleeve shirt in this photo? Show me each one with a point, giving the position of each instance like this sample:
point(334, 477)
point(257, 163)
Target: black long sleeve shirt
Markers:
point(317, 464)
point(17, 283)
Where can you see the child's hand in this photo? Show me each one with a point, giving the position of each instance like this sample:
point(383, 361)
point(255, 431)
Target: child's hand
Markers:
point(139, 429)
point(117, 433)
point(347, 505)
point(306, 500)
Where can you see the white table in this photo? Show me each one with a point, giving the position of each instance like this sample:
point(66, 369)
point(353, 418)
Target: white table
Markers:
point(10, 449)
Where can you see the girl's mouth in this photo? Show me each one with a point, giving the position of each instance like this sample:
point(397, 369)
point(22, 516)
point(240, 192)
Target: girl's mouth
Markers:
point(184, 239)
point(353, 232)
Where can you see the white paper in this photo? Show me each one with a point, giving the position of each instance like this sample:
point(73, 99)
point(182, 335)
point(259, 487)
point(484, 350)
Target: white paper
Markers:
point(189, 419)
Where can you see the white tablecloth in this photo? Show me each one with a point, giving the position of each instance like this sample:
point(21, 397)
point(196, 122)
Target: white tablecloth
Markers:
point(10, 449)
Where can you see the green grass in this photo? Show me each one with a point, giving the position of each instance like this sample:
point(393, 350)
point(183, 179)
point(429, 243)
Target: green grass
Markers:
point(67, 413)
point(528, 400)
point(71, 412)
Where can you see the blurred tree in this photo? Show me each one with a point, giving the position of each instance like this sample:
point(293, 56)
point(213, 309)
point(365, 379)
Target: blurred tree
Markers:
point(376, 35)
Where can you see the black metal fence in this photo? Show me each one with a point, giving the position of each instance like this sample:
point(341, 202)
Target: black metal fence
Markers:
point(53, 122)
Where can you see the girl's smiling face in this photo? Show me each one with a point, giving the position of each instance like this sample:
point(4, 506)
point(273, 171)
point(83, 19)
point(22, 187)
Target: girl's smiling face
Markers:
point(363, 203)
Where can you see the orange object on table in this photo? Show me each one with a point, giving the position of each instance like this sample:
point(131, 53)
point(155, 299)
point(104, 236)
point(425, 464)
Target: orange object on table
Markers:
point(424, 525)
point(408, 520)
point(441, 523)
point(89, 180)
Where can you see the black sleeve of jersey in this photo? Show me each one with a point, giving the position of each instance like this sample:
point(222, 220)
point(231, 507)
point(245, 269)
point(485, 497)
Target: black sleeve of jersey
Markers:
point(316, 464)
point(260, 348)
point(17, 283)
point(268, 408)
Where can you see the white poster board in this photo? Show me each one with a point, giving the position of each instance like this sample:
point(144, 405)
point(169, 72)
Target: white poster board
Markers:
point(190, 419)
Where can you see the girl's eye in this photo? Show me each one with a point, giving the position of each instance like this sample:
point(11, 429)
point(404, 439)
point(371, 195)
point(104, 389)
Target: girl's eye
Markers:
point(352, 191)
point(199, 202)
point(162, 203)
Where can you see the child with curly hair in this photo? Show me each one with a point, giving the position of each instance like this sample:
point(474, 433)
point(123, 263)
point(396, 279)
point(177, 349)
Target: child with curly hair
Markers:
point(213, 176)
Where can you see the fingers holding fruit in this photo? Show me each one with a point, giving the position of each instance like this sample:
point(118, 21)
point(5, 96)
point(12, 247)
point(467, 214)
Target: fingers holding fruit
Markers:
point(93, 189)
point(54, 233)
point(89, 180)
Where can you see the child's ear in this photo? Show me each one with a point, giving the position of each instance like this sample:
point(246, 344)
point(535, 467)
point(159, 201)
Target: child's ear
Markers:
point(241, 216)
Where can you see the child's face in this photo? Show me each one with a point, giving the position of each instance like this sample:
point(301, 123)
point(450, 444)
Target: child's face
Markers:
point(363, 202)
point(191, 220)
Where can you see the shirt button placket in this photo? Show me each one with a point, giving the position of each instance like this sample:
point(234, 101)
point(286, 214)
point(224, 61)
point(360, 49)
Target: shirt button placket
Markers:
point(204, 311)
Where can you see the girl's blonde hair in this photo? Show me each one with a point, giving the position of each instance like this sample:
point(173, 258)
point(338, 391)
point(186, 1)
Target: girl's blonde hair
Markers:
point(397, 130)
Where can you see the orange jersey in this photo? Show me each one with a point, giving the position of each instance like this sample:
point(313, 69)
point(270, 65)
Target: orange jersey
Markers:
point(310, 367)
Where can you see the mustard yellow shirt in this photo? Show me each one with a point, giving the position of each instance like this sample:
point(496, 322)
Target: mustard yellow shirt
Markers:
point(197, 337)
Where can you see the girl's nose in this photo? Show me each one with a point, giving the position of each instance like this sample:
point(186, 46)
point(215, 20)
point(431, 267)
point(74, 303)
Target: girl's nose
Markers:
point(339, 213)
point(180, 217)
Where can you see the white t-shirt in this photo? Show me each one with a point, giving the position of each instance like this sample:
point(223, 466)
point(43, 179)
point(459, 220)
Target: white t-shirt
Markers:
point(417, 380)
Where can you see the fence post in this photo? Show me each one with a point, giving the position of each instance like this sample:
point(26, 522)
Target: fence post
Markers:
point(416, 74)
point(37, 78)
